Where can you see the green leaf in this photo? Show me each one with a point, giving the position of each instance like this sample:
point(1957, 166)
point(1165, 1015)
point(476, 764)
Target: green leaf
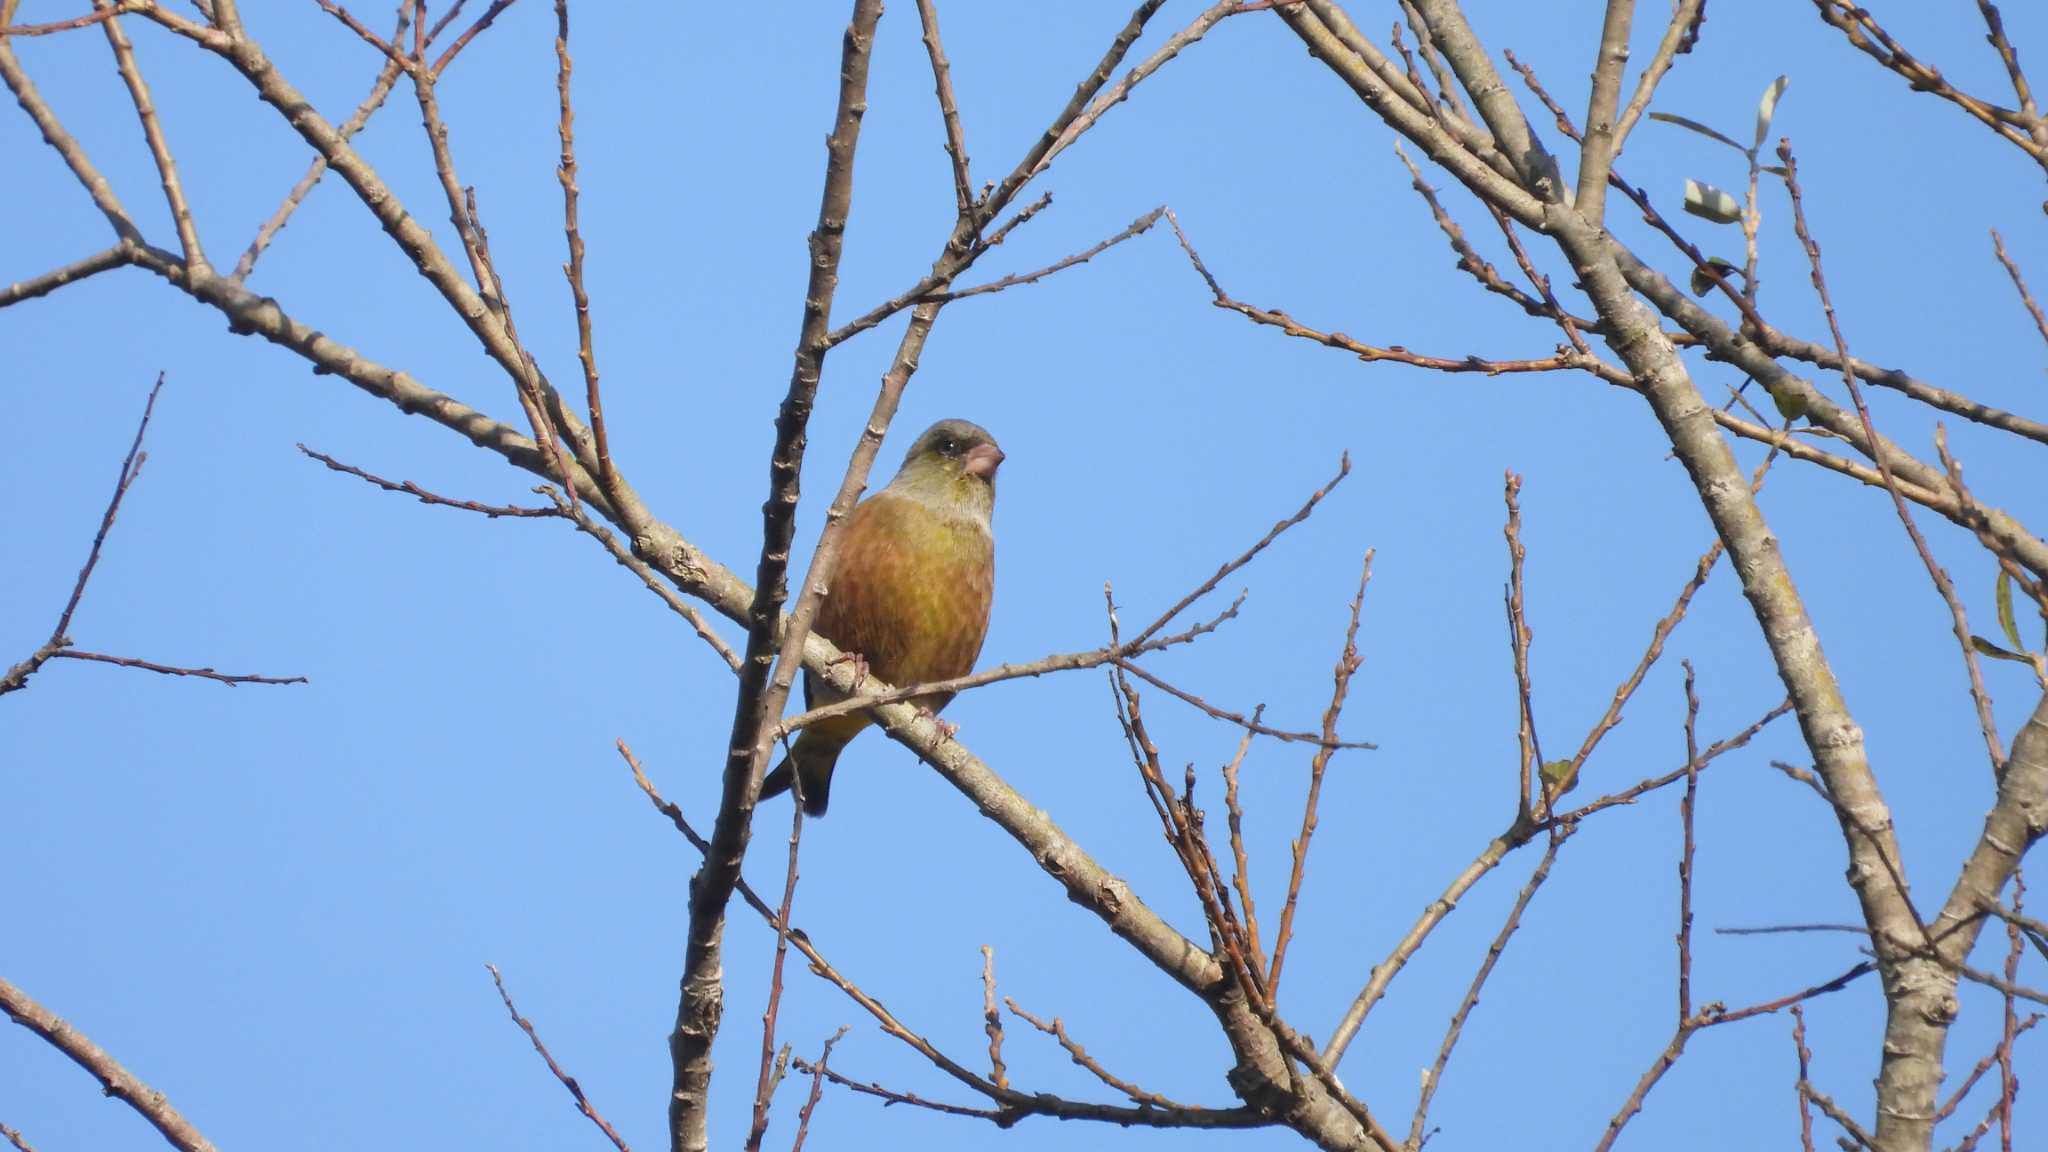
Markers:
point(1791, 405)
point(1558, 777)
point(1987, 648)
point(1778, 170)
point(1696, 126)
point(1703, 278)
point(1767, 107)
point(2005, 616)
point(1710, 203)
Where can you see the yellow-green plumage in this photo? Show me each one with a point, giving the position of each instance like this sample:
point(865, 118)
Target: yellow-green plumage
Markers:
point(910, 593)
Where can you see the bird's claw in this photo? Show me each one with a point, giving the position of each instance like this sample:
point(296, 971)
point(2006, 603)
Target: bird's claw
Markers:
point(946, 728)
point(860, 667)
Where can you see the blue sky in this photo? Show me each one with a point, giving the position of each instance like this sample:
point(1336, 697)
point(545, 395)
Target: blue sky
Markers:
point(276, 904)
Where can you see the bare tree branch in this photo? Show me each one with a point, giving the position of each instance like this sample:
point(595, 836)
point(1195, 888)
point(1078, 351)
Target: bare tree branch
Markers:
point(159, 148)
point(583, 1104)
point(1942, 584)
point(755, 706)
point(380, 89)
point(408, 488)
point(119, 256)
point(1348, 661)
point(2019, 282)
point(115, 1080)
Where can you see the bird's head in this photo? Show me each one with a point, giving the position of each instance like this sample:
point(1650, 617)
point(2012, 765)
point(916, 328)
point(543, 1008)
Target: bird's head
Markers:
point(952, 466)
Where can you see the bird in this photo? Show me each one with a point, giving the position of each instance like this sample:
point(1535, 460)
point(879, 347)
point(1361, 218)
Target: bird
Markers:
point(910, 594)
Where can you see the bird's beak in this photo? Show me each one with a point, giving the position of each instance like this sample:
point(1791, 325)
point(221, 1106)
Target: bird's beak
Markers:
point(983, 459)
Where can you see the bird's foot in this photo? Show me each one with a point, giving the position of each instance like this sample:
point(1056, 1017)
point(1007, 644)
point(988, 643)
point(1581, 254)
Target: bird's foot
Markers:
point(860, 667)
point(946, 728)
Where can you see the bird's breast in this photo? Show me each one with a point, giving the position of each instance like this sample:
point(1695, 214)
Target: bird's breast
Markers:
point(911, 591)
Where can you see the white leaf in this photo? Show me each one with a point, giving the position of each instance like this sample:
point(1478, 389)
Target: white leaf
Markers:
point(1768, 107)
point(1710, 203)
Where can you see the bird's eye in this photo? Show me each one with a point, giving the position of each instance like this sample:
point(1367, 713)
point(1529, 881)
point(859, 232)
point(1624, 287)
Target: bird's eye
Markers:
point(949, 446)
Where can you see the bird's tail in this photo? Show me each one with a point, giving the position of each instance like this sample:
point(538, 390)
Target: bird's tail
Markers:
point(809, 764)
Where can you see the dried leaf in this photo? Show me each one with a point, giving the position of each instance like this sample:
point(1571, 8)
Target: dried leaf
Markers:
point(1710, 203)
point(2006, 620)
point(1702, 129)
point(1767, 107)
point(1987, 648)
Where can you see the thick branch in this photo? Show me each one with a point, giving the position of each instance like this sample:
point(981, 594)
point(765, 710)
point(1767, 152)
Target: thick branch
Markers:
point(702, 999)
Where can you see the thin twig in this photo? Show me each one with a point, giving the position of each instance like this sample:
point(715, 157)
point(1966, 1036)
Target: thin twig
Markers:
point(159, 147)
point(528, 383)
point(1060, 132)
point(1679, 36)
point(992, 1019)
point(949, 111)
point(2008, 1084)
point(2029, 112)
point(1686, 805)
point(230, 680)
point(1998, 1053)
point(1868, 36)
point(1013, 1103)
point(1248, 723)
point(818, 1072)
point(1178, 822)
point(52, 27)
point(58, 646)
point(1058, 1031)
point(67, 147)
point(1518, 644)
point(1469, 259)
point(583, 520)
point(764, 1086)
point(1557, 112)
point(1709, 1016)
point(1246, 557)
point(583, 1104)
point(932, 287)
point(1120, 91)
point(1561, 361)
point(607, 476)
point(890, 1096)
point(119, 256)
point(1805, 1058)
point(1348, 661)
point(131, 467)
point(1636, 791)
point(2019, 284)
point(1241, 872)
point(483, 21)
point(1434, 1076)
point(408, 488)
point(1835, 1112)
point(1958, 619)
point(1137, 227)
point(389, 49)
point(1060, 662)
point(1433, 914)
point(380, 89)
